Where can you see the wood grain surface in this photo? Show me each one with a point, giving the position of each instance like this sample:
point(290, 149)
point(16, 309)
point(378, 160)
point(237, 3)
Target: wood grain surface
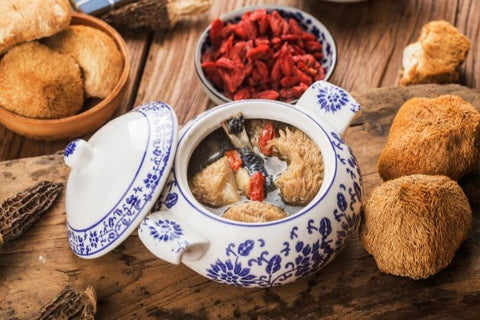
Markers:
point(132, 283)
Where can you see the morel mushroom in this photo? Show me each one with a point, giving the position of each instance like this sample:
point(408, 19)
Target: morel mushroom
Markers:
point(254, 212)
point(71, 304)
point(19, 213)
point(414, 224)
point(153, 14)
point(302, 179)
point(432, 136)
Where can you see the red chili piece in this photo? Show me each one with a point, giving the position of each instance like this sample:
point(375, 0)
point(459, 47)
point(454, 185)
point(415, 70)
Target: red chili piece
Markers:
point(256, 191)
point(262, 56)
point(268, 133)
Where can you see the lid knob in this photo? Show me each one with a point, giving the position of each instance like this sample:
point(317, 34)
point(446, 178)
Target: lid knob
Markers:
point(78, 154)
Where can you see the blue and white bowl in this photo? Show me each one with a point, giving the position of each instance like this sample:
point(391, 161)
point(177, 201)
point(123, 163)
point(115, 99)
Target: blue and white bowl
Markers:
point(270, 253)
point(305, 20)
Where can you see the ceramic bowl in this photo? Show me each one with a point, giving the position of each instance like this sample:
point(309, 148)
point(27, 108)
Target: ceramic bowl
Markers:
point(305, 20)
point(271, 253)
point(85, 122)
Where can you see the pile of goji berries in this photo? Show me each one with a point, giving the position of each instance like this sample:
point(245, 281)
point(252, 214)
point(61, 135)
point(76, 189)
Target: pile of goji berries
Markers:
point(262, 56)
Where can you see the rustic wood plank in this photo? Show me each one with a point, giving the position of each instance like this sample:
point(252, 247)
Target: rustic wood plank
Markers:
point(132, 283)
point(13, 146)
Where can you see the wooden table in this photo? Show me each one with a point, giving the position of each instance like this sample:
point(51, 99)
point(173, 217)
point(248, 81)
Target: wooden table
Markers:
point(370, 37)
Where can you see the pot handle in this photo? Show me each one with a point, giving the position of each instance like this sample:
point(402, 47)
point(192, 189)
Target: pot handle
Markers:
point(170, 238)
point(331, 104)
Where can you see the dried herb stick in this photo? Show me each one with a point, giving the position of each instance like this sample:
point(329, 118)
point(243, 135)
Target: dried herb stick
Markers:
point(153, 14)
point(71, 304)
point(19, 213)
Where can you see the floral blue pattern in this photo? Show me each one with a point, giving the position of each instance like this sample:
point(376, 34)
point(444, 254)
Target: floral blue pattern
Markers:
point(168, 198)
point(332, 99)
point(70, 148)
point(121, 217)
point(250, 264)
point(296, 259)
point(165, 230)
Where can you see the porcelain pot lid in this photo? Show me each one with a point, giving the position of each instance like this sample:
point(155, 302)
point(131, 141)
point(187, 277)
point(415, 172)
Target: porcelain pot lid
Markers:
point(117, 176)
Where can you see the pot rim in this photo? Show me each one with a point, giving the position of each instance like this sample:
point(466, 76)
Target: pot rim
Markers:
point(180, 175)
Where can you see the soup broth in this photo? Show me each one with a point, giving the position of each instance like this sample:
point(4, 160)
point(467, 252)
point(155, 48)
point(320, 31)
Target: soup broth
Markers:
point(255, 170)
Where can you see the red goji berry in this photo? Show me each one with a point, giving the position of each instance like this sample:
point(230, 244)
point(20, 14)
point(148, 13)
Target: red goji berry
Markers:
point(276, 73)
point(290, 37)
point(286, 94)
point(297, 91)
point(313, 46)
point(256, 191)
point(215, 32)
point(293, 27)
point(266, 135)
point(226, 46)
point(318, 55)
point(264, 25)
point(286, 62)
point(238, 51)
point(308, 36)
point(301, 76)
point(242, 94)
point(234, 159)
point(267, 94)
point(250, 29)
point(260, 73)
point(262, 41)
point(288, 82)
point(320, 75)
point(258, 14)
point(260, 52)
point(227, 30)
point(211, 71)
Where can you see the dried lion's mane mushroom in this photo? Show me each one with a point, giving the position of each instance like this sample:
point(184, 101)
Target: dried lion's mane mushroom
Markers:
point(414, 224)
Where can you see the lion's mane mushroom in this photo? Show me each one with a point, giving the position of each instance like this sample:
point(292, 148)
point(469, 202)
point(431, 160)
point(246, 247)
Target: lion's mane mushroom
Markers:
point(432, 136)
point(414, 224)
point(254, 212)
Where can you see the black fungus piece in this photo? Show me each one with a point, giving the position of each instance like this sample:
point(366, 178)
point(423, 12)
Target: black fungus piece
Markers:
point(253, 162)
point(235, 125)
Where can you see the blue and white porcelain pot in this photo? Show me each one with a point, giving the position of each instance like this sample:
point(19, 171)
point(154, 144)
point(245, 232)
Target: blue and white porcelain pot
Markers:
point(185, 231)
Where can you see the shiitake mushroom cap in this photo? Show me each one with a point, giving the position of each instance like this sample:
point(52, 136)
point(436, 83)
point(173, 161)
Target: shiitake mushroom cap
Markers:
point(432, 136)
point(414, 224)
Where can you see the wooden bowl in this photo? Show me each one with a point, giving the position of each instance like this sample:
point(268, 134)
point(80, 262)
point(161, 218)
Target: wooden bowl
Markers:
point(88, 120)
